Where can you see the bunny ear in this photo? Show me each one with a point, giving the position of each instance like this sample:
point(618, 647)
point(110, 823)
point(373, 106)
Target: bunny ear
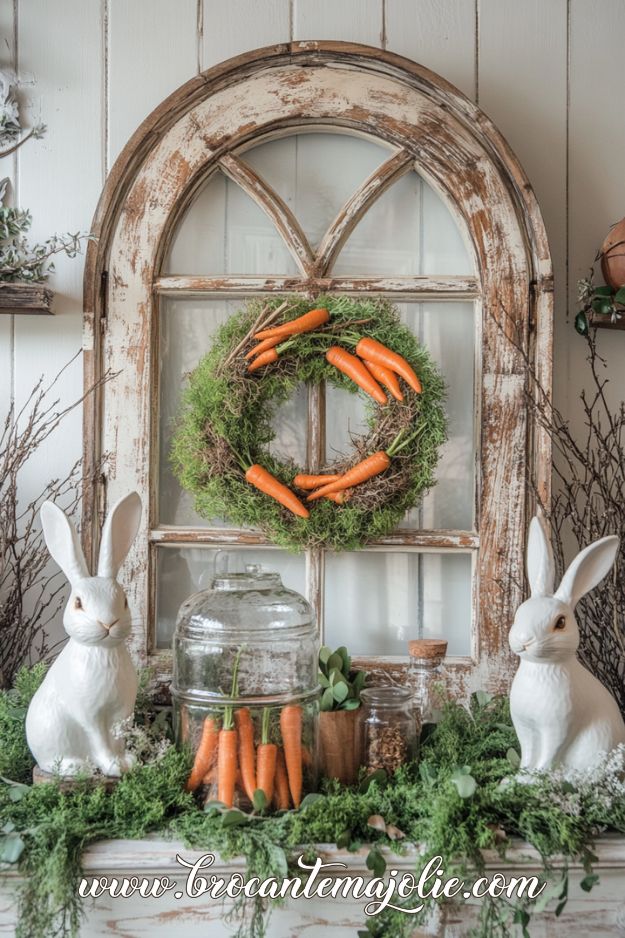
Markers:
point(118, 533)
point(588, 569)
point(540, 565)
point(62, 542)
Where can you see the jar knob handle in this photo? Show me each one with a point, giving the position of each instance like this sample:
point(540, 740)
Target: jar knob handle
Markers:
point(253, 569)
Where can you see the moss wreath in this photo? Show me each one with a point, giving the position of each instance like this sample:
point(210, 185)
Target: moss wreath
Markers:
point(225, 425)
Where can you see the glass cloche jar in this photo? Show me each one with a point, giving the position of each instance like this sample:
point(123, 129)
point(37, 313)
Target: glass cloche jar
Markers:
point(245, 690)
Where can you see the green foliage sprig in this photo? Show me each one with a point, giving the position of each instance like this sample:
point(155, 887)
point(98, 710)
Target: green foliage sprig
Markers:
point(602, 300)
point(341, 686)
point(460, 800)
point(226, 419)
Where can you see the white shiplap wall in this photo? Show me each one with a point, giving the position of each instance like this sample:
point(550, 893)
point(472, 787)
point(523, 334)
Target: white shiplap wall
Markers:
point(547, 71)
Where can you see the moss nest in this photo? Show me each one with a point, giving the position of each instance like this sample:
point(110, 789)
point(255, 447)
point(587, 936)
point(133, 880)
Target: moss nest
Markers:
point(226, 423)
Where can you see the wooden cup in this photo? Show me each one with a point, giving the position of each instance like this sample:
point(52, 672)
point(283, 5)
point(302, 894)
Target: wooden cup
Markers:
point(339, 744)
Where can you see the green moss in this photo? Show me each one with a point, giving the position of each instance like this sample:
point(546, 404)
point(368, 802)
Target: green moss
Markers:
point(226, 422)
point(423, 800)
point(16, 761)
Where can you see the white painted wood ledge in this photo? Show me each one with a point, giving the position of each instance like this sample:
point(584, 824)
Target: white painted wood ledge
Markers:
point(599, 913)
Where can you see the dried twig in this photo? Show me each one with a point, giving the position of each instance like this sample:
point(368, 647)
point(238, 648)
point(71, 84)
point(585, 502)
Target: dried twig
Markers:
point(30, 594)
point(588, 501)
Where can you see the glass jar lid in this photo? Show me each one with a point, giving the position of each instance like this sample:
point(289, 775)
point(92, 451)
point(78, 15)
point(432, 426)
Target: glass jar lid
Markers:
point(254, 601)
point(387, 695)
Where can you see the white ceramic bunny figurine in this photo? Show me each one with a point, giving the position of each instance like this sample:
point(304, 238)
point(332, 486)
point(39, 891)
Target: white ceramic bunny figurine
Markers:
point(564, 717)
point(92, 684)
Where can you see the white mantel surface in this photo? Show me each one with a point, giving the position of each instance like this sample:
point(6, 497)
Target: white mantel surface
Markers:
point(598, 913)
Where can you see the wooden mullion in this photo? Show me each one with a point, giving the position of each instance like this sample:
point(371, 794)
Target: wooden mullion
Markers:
point(273, 206)
point(357, 207)
point(437, 289)
point(398, 540)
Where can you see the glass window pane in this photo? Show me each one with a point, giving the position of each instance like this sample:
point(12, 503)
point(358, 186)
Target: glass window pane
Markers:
point(182, 571)
point(409, 231)
point(186, 330)
point(377, 601)
point(447, 330)
point(225, 232)
point(316, 173)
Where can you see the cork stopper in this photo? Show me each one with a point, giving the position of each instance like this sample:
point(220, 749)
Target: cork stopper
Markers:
point(427, 648)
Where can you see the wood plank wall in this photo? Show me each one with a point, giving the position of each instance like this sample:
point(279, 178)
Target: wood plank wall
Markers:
point(547, 71)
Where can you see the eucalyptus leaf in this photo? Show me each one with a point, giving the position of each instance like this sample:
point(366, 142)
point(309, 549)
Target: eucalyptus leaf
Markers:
point(589, 881)
point(234, 818)
point(465, 784)
point(378, 776)
point(11, 848)
point(324, 654)
point(259, 800)
point(310, 799)
point(335, 661)
point(323, 681)
point(277, 858)
point(513, 758)
point(603, 290)
point(376, 862)
point(340, 692)
point(327, 699)
point(350, 704)
point(619, 296)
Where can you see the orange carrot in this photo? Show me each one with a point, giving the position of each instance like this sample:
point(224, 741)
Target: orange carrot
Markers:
point(265, 358)
point(204, 755)
point(357, 371)
point(227, 766)
point(339, 497)
point(227, 747)
point(266, 759)
point(281, 790)
point(264, 346)
point(306, 323)
point(311, 482)
point(367, 469)
point(245, 729)
point(386, 377)
point(374, 351)
point(269, 485)
point(291, 727)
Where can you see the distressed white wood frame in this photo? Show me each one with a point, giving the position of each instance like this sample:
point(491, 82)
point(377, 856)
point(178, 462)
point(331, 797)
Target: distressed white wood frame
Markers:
point(427, 125)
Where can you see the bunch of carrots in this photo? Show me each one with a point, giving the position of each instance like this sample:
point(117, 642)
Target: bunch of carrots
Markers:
point(373, 365)
point(229, 758)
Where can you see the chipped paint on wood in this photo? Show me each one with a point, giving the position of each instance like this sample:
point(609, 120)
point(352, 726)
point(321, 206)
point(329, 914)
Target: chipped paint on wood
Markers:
point(210, 122)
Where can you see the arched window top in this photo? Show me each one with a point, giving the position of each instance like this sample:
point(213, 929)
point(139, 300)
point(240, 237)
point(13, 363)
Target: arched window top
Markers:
point(209, 153)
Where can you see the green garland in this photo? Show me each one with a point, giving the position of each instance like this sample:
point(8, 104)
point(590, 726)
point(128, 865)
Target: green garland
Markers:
point(226, 422)
point(452, 802)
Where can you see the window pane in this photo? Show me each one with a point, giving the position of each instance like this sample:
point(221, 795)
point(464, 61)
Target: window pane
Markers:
point(182, 571)
point(225, 232)
point(377, 601)
point(447, 330)
point(407, 232)
point(315, 174)
point(186, 331)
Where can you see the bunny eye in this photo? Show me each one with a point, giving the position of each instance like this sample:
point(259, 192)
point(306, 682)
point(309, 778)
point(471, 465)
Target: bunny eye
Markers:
point(559, 624)
point(78, 603)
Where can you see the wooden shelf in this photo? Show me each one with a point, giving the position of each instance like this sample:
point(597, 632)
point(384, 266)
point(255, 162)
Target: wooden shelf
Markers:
point(602, 321)
point(25, 298)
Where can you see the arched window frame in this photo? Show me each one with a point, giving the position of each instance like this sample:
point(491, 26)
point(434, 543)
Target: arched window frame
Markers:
point(206, 125)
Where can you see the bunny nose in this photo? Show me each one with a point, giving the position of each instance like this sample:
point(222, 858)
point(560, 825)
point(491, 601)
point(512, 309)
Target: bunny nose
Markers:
point(108, 626)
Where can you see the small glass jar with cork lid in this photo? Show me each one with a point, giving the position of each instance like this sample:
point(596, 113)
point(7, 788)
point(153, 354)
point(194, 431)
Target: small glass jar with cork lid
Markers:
point(389, 728)
point(426, 680)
